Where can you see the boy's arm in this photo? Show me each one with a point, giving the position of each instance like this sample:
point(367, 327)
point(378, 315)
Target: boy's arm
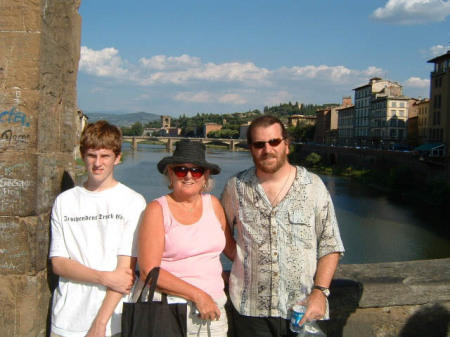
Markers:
point(112, 298)
point(119, 280)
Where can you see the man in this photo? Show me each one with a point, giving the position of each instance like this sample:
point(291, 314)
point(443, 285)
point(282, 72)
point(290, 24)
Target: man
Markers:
point(93, 244)
point(287, 238)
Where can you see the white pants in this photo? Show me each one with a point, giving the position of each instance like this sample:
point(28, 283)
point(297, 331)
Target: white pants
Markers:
point(196, 327)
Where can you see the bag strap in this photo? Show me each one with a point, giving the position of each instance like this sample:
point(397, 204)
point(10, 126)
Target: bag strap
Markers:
point(152, 277)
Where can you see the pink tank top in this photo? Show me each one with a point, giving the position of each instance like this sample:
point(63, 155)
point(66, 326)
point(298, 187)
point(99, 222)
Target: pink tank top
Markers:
point(192, 252)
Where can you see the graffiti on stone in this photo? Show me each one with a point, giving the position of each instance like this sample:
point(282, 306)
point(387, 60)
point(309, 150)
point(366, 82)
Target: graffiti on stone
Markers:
point(14, 116)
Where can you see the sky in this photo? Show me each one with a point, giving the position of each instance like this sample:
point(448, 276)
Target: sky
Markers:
point(224, 56)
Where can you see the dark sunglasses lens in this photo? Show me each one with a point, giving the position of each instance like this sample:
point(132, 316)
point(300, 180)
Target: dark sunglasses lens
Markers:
point(274, 142)
point(258, 145)
point(180, 171)
point(197, 172)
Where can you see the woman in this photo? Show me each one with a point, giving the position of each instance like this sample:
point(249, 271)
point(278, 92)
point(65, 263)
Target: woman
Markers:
point(184, 233)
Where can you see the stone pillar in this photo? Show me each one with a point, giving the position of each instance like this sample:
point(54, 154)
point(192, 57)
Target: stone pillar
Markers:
point(231, 146)
point(134, 143)
point(39, 54)
point(169, 144)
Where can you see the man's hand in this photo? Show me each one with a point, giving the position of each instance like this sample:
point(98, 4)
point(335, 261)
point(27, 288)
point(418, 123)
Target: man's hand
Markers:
point(316, 307)
point(120, 280)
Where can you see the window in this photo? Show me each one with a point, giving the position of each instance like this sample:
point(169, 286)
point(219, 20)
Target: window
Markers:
point(394, 104)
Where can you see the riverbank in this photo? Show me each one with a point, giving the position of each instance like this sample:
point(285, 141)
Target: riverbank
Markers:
point(379, 171)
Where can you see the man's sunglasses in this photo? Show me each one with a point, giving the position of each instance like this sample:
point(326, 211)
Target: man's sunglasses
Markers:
point(272, 142)
point(182, 171)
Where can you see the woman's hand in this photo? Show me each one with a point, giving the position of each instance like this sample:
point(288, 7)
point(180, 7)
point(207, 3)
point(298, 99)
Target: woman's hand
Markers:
point(207, 307)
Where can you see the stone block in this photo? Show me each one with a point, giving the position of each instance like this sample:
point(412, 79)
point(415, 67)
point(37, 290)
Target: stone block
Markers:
point(24, 244)
point(413, 282)
point(25, 305)
point(20, 16)
point(17, 184)
point(53, 170)
point(19, 60)
point(18, 120)
point(59, 28)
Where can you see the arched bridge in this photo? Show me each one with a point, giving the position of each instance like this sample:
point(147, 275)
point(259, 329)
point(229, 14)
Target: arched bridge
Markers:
point(170, 141)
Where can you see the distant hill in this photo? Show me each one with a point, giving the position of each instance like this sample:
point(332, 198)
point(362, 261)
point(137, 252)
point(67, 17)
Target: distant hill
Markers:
point(122, 119)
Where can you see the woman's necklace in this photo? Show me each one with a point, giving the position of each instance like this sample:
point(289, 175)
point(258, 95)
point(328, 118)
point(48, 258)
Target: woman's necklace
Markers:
point(191, 208)
point(282, 188)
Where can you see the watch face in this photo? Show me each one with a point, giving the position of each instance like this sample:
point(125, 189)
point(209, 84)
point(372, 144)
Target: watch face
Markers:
point(326, 292)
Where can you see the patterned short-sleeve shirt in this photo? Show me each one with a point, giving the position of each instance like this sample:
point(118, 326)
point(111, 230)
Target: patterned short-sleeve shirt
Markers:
point(277, 247)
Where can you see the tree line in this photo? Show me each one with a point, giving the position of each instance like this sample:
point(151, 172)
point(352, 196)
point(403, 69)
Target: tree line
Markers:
point(193, 126)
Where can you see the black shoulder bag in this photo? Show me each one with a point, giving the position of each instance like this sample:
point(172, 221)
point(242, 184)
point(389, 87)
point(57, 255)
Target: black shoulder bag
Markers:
point(153, 319)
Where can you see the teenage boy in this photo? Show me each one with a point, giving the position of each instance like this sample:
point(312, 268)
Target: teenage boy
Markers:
point(93, 241)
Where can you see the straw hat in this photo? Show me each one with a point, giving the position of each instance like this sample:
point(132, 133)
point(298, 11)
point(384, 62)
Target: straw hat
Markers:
point(187, 151)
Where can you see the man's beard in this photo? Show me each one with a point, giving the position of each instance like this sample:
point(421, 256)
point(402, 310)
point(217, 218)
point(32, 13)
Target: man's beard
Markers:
point(265, 167)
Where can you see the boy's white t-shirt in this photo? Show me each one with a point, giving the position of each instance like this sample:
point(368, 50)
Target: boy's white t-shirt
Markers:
point(92, 228)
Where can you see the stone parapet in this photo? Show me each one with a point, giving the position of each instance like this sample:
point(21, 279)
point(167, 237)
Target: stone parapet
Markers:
point(390, 299)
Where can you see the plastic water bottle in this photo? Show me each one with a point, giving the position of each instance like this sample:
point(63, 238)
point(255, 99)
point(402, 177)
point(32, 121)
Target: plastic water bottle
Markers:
point(298, 311)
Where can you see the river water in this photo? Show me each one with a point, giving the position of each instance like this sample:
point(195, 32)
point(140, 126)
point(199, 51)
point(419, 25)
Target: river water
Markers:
point(374, 227)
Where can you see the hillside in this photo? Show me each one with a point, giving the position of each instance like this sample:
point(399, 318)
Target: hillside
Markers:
point(125, 119)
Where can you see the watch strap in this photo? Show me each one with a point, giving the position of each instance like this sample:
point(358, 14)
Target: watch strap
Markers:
point(324, 290)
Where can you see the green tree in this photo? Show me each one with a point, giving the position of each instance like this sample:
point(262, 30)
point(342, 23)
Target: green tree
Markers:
point(312, 160)
point(302, 132)
point(137, 129)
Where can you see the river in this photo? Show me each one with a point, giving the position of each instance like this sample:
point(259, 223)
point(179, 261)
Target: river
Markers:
point(374, 227)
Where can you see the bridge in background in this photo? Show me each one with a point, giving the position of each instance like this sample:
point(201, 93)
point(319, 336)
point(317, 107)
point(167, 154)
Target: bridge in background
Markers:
point(170, 141)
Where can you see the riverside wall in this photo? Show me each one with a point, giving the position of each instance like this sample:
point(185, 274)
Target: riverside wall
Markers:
point(39, 54)
point(424, 170)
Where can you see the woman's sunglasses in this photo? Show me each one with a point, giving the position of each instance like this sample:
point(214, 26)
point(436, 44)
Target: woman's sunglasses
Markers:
point(272, 142)
point(182, 171)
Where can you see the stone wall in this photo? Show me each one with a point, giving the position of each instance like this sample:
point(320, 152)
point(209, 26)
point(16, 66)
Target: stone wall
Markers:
point(390, 299)
point(423, 170)
point(39, 54)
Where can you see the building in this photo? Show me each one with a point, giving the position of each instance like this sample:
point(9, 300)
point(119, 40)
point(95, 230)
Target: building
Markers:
point(439, 108)
point(388, 121)
point(148, 132)
point(412, 125)
point(345, 125)
point(208, 127)
point(243, 130)
point(423, 107)
point(170, 132)
point(165, 122)
point(363, 99)
point(327, 123)
point(296, 119)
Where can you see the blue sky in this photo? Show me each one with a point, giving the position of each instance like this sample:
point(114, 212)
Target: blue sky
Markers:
point(186, 57)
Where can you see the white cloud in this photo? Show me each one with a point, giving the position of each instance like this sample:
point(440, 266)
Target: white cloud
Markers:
point(195, 97)
point(104, 63)
point(409, 12)
point(188, 82)
point(211, 97)
point(417, 82)
point(438, 50)
point(162, 62)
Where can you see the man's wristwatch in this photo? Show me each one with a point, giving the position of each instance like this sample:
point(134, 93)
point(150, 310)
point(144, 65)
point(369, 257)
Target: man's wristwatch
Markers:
point(324, 290)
